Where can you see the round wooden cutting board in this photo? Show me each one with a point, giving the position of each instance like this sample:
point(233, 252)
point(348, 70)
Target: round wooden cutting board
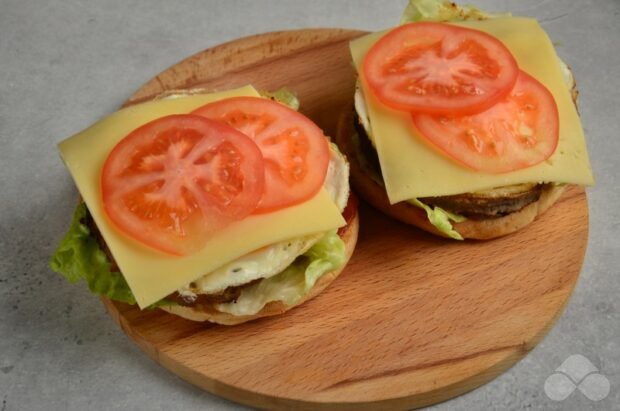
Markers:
point(413, 320)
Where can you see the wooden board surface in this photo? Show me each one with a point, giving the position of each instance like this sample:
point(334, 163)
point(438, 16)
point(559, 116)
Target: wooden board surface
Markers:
point(413, 320)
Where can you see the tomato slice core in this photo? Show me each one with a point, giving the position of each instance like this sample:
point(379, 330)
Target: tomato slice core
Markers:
point(520, 131)
point(171, 183)
point(295, 150)
point(439, 68)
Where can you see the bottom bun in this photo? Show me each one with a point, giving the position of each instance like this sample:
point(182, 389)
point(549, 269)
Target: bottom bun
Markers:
point(208, 312)
point(479, 229)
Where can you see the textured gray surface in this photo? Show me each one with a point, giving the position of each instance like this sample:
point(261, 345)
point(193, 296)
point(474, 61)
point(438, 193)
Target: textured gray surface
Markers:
point(65, 64)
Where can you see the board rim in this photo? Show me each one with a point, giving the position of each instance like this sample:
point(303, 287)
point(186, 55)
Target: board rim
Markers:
point(239, 395)
point(264, 401)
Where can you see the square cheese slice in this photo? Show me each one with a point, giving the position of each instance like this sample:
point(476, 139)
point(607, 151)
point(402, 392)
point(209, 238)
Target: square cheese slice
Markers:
point(411, 168)
point(153, 275)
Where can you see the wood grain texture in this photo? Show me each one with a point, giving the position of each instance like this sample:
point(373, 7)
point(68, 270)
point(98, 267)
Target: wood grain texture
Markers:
point(413, 320)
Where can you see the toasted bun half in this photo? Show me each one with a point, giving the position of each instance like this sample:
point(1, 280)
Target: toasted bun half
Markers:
point(208, 312)
point(375, 194)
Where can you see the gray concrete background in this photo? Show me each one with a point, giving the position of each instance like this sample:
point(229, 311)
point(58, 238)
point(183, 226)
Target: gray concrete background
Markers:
point(64, 64)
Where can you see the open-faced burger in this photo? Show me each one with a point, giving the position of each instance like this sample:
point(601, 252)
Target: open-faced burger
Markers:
point(221, 207)
point(465, 123)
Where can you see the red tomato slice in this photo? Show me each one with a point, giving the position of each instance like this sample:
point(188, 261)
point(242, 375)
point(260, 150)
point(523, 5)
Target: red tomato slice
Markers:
point(295, 150)
point(520, 131)
point(174, 181)
point(439, 68)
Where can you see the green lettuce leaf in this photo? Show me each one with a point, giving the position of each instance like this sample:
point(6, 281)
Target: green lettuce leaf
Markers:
point(326, 255)
point(292, 284)
point(284, 96)
point(79, 257)
point(442, 10)
point(440, 218)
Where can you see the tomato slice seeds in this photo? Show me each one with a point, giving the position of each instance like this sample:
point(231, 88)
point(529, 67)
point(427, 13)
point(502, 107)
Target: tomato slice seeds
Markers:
point(520, 131)
point(171, 183)
point(295, 149)
point(466, 95)
point(438, 68)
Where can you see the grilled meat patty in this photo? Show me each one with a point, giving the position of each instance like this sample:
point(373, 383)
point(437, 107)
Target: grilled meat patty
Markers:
point(227, 295)
point(488, 204)
point(493, 203)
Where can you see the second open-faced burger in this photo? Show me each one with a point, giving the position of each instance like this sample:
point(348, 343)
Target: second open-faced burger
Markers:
point(464, 123)
point(221, 207)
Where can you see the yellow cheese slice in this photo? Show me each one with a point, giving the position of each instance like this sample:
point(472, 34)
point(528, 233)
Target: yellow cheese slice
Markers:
point(411, 168)
point(152, 275)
